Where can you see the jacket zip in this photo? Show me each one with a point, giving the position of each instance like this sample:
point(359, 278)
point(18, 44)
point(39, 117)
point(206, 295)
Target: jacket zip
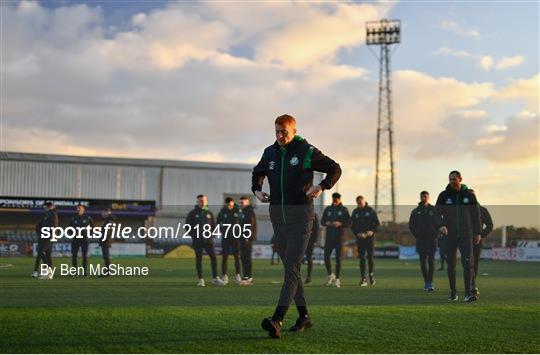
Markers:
point(283, 152)
point(457, 215)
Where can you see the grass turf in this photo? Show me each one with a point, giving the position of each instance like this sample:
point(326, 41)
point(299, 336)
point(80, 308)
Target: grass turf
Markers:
point(164, 312)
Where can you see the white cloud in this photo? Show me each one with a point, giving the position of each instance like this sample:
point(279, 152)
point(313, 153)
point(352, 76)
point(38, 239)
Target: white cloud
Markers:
point(496, 128)
point(460, 29)
point(473, 114)
point(452, 52)
point(317, 36)
point(526, 90)
point(508, 62)
point(486, 62)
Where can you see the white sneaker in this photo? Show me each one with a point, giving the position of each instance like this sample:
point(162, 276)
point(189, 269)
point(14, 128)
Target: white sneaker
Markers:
point(35, 274)
point(238, 278)
point(246, 282)
point(336, 283)
point(218, 282)
point(47, 276)
point(224, 280)
point(331, 279)
point(201, 283)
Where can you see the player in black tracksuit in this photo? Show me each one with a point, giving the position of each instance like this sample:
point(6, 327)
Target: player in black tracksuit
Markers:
point(461, 224)
point(288, 164)
point(310, 247)
point(44, 245)
point(248, 221)
point(227, 218)
point(364, 225)
point(424, 224)
point(106, 238)
point(487, 227)
point(80, 220)
point(199, 221)
point(335, 218)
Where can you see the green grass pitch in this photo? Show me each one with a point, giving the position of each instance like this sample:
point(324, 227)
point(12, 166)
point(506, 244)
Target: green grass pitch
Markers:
point(165, 312)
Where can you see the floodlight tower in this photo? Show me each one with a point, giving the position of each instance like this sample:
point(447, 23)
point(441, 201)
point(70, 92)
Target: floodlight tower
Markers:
point(384, 33)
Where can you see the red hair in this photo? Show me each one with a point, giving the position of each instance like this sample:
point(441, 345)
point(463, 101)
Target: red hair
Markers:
point(286, 120)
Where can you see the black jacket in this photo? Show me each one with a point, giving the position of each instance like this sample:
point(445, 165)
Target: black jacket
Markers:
point(248, 219)
point(230, 217)
point(200, 217)
point(460, 212)
point(335, 213)
point(290, 175)
point(106, 238)
point(81, 221)
point(487, 222)
point(49, 219)
point(424, 224)
point(364, 219)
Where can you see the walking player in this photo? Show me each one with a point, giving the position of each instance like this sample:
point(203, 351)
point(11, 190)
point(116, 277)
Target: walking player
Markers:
point(289, 164)
point(199, 221)
point(81, 220)
point(424, 224)
point(487, 227)
point(335, 218)
point(461, 224)
point(364, 225)
point(106, 241)
point(44, 245)
point(227, 218)
point(248, 221)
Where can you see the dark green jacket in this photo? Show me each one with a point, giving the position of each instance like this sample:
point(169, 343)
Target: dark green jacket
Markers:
point(364, 219)
point(289, 171)
point(230, 217)
point(200, 217)
point(424, 224)
point(460, 212)
point(81, 221)
point(335, 213)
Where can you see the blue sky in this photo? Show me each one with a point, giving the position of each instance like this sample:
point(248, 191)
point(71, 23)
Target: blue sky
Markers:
point(203, 81)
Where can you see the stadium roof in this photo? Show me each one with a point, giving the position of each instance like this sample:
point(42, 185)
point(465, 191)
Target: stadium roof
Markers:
point(53, 158)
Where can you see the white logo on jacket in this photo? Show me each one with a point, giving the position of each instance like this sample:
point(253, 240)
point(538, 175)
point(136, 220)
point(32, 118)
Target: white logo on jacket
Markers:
point(271, 165)
point(294, 160)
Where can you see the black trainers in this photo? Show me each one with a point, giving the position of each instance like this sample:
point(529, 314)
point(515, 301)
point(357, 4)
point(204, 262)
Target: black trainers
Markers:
point(453, 296)
point(272, 327)
point(301, 324)
point(371, 280)
point(470, 298)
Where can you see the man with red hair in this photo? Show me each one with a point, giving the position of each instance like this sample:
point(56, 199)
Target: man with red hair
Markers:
point(289, 164)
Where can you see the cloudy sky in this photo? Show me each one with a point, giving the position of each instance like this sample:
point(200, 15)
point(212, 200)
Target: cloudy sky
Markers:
point(204, 81)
